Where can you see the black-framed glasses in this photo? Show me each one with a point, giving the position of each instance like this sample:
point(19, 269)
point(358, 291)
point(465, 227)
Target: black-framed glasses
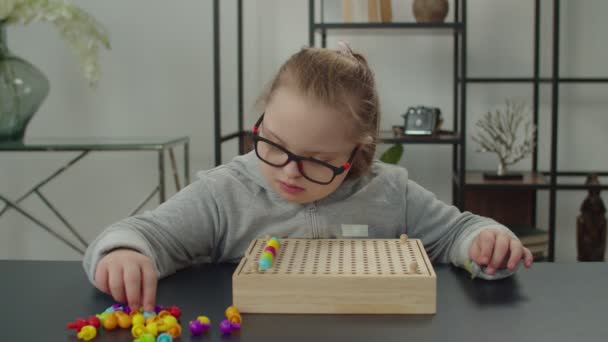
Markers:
point(316, 171)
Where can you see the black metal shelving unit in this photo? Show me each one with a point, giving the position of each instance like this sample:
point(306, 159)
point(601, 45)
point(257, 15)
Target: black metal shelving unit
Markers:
point(461, 81)
point(241, 134)
point(552, 185)
point(458, 29)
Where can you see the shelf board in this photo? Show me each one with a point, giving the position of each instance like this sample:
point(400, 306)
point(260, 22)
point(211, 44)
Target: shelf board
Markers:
point(503, 79)
point(583, 80)
point(391, 25)
point(474, 179)
point(576, 173)
point(443, 138)
point(531, 79)
point(567, 186)
point(536, 180)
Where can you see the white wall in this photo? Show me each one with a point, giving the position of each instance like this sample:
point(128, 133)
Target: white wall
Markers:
point(158, 81)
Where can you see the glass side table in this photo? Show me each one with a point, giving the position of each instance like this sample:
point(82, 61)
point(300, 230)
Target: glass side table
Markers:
point(86, 146)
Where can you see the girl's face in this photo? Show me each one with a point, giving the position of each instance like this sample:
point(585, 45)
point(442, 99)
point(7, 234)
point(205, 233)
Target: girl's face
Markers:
point(307, 129)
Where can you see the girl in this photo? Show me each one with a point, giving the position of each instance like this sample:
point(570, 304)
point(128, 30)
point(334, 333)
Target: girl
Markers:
point(311, 175)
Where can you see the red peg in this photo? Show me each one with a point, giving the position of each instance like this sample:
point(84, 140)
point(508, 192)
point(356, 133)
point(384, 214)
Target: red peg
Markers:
point(77, 324)
point(94, 321)
point(175, 311)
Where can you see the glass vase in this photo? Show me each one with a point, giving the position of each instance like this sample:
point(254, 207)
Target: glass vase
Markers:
point(23, 88)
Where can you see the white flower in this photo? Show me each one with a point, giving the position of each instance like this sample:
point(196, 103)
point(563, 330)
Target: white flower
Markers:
point(79, 29)
point(6, 7)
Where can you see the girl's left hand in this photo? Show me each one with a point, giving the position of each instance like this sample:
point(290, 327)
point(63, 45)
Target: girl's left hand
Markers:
point(496, 249)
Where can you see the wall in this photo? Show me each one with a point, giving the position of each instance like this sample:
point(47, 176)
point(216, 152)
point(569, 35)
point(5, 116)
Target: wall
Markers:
point(157, 80)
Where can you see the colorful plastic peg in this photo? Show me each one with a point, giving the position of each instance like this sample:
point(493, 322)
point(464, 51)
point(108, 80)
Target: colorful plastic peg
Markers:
point(152, 328)
point(110, 321)
point(124, 320)
point(274, 242)
point(233, 314)
point(138, 330)
point(175, 330)
point(87, 333)
point(77, 324)
point(137, 319)
point(145, 338)
point(164, 337)
point(94, 321)
point(271, 250)
point(206, 322)
point(175, 311)
point(196, 327)
point(264, 264)
point(148, 314)
point(225, 327)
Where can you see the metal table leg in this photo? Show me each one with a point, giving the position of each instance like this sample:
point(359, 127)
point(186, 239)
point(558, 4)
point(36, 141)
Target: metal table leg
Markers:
point(187, 163)
point(36, 190)
point(15, 206)
point(161, 175)
point(160, 189)
point(174, 169)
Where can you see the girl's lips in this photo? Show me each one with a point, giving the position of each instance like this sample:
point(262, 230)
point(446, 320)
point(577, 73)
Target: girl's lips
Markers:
point(291, 189)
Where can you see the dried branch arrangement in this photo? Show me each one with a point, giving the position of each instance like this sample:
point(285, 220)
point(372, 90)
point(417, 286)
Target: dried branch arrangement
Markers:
point(510, 134)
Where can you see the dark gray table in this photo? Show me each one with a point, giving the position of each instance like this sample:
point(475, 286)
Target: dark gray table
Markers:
point(550, 302)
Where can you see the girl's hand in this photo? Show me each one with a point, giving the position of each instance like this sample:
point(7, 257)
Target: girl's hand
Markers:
point(129, 277)
point(496, 249)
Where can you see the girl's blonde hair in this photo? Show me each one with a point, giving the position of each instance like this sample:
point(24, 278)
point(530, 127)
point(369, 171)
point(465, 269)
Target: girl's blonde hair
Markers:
point(342, 80)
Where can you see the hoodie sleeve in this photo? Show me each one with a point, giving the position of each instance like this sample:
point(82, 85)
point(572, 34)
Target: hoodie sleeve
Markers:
point(179, 232)
point(446, 233)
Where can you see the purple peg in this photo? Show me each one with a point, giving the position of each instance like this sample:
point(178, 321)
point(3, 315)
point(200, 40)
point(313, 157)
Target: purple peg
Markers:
point(226, 327)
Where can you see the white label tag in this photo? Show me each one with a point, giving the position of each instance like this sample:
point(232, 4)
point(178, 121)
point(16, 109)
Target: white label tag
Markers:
point(354, 230)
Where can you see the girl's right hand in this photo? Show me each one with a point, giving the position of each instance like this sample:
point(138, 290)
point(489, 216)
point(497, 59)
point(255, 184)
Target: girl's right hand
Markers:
point(129, 277)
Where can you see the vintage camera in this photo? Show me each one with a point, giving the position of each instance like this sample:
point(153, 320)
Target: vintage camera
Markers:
point(422, 120)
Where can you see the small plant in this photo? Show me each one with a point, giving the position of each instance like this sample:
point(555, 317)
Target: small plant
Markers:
point(510, 134)
point(393, 154)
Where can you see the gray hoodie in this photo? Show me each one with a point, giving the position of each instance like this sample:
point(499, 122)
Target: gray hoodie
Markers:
point(215, 218)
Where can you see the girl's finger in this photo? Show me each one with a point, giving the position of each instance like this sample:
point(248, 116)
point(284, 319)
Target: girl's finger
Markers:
point(149, 283)
point(528, 257)
point(475, 251)
point(132, 278)
point(501, 247)
point(487, 239)
point(517, 251)
point(117, 284)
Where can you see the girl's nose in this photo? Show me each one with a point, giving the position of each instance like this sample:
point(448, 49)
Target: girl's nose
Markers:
point(291, 169)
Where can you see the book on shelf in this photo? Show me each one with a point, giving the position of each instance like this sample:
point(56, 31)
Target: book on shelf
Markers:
point(530, 235)
point(376, 11)
point(536, 240)
point(538, 248)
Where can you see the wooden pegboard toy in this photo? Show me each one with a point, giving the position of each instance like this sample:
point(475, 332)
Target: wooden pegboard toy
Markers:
point(341, 276)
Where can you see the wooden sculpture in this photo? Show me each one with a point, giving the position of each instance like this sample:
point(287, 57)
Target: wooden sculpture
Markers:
point(591, 225)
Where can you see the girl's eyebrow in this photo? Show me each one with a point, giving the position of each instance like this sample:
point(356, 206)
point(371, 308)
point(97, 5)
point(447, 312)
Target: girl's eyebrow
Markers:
point(271, 133)
point(265, 128)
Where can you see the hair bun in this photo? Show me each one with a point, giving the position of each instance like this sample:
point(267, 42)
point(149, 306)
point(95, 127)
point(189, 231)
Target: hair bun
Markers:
point(345, 49)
